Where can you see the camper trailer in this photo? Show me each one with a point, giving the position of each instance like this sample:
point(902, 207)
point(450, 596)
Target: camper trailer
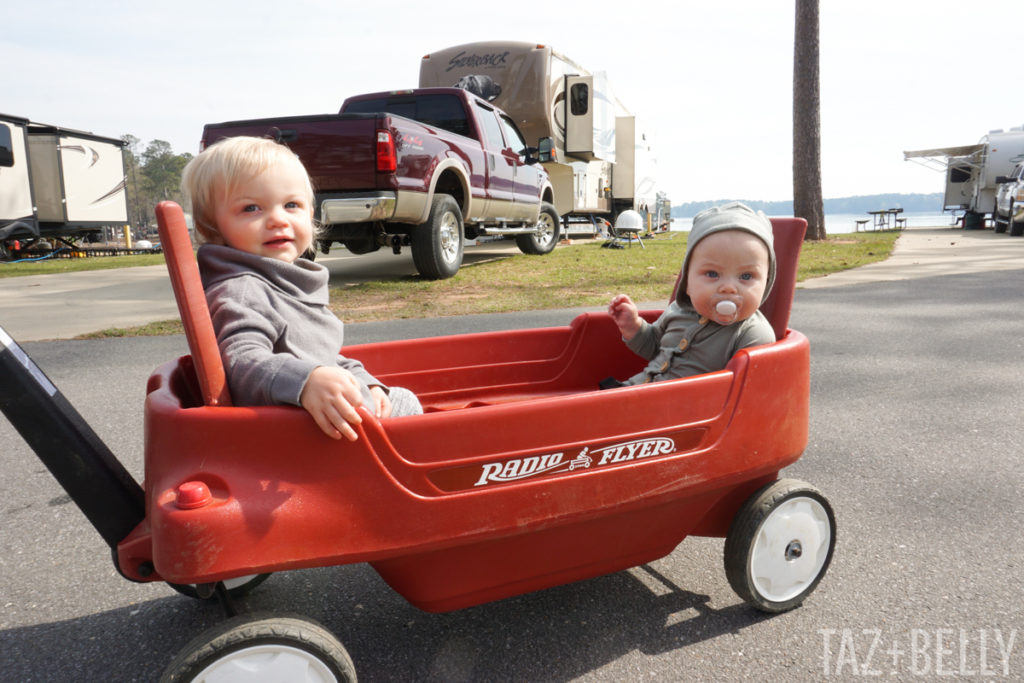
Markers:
point(971, 171)
point(603, 162)
point(57, 183)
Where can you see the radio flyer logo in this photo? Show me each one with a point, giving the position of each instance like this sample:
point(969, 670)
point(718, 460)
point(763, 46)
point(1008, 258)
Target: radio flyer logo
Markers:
point(509, 470)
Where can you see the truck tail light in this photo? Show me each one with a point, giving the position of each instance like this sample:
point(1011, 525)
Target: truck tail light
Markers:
point(387, 160)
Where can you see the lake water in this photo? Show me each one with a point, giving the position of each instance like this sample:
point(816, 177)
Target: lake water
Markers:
point(839, 223)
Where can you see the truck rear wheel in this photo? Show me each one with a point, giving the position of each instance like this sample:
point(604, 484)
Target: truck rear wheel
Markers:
point(546, 238)
point(437, 244)
point(1016, 227)
point(998, 224)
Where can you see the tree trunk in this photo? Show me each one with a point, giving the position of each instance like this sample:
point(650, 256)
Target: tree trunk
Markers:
point(807, 199)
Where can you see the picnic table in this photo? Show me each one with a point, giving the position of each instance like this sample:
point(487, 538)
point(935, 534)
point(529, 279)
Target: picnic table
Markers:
point(887, 219)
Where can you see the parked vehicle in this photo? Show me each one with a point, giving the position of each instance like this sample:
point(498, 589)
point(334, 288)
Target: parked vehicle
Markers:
point(1010, 201)
point(57, 184)
point(972, 171)
point(424, 168)
point(603, 163)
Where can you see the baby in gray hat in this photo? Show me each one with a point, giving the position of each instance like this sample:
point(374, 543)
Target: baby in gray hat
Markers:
point(728, 272)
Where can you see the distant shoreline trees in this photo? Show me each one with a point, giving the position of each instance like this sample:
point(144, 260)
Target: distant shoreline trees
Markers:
point(931, 202)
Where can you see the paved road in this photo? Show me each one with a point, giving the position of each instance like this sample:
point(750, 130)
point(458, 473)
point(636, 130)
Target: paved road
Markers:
point(40, 307)
point(914, 436)
point(61, 307)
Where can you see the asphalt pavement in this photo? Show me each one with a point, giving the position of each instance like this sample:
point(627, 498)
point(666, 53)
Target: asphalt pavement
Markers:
point(39, 307)
point(44, 307)
point(916, 397)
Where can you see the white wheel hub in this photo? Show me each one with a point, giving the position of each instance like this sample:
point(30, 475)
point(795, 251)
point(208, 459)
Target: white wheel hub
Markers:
point(267, 663)
point(790, 548)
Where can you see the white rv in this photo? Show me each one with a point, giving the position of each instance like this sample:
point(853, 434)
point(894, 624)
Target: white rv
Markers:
point(57, 183)
point(603, 162)
point(971, 171)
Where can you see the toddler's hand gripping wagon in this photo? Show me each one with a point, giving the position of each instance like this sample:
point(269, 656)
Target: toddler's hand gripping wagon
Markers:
point(519, 476)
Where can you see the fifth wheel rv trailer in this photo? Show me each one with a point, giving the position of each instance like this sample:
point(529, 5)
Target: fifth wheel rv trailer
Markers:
point(603, 163)
point(971, 171)
point(57, 183)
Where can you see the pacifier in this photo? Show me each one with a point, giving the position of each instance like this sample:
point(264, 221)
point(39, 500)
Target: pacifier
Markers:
point(726, 310)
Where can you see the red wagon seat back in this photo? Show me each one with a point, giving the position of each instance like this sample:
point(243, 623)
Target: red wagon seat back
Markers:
point(195, 314)
point(789, 237)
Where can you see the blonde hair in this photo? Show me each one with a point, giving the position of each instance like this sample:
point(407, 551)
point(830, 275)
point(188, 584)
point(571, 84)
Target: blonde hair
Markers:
point(218, 170)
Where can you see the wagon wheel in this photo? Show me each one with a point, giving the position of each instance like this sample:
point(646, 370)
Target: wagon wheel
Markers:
point(780, 545)
point(236, 587)
point(263, 649)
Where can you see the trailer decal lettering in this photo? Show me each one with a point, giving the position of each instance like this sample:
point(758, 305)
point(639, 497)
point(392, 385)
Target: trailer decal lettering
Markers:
point(463, 60)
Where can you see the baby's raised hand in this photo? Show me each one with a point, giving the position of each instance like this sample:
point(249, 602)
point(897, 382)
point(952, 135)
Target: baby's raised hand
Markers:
point(331, 396)
point(626, 315)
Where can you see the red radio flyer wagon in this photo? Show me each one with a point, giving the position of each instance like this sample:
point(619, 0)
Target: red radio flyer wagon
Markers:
point(519, 475)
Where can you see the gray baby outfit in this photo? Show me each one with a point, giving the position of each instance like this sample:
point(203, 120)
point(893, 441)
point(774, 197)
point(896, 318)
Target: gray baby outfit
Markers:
point(681, 343)
point(274, 328)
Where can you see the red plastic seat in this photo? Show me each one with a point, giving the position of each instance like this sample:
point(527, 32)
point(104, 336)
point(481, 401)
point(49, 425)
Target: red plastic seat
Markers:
point(195, 314)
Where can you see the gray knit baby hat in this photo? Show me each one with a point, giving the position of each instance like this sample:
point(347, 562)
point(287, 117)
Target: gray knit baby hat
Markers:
point(731, 216)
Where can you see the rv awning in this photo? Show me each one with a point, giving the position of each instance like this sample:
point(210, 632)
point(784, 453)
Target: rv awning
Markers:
point(961, 151)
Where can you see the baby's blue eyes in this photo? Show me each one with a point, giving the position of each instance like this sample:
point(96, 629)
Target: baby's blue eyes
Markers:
point(714, 274)
point(251, 208)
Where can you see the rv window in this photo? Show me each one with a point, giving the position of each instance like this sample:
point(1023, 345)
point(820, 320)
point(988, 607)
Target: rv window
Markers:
point(6, 147)
point(578, 96)
point(959, 174)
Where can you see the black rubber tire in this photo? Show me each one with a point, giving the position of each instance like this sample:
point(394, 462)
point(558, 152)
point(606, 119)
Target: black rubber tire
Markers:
point(997, 224)
point(764, 533)
point(551, 226)
point(305, 644)
point(437, 244)
point(1016, 228)
point(236, 587)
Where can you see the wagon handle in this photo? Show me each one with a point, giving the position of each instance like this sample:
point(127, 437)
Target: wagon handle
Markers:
point(75, 455)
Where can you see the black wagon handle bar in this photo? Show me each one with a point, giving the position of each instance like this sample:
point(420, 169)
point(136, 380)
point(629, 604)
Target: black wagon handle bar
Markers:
point(75, 455)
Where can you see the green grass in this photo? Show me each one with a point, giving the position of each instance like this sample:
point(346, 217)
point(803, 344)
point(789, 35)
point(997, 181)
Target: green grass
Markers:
point(75, 265)
point(576, 275)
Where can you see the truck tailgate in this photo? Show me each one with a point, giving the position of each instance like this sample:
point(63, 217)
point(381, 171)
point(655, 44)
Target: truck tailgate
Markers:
point(338, 150)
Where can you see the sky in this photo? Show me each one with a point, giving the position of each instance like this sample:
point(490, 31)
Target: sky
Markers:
point(710, 81)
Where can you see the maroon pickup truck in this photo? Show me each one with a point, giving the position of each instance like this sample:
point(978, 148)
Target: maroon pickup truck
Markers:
point(423, 168)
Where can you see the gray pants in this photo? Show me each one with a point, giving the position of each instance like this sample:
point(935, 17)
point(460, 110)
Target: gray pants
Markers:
point(403, 402)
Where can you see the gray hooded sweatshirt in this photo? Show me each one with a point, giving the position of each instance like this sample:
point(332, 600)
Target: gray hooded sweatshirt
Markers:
point(681, 343)
point(273, 325)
